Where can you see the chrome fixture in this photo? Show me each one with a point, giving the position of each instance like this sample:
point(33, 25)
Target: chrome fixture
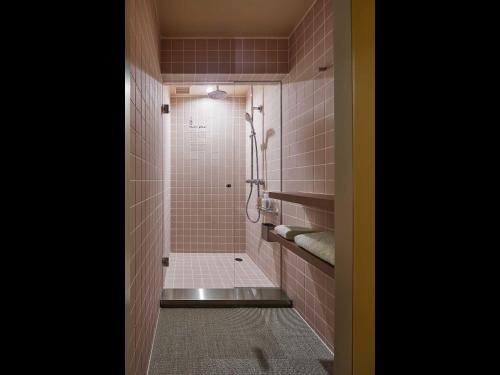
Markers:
point(255, 181)
point(249, 119)
point(217, 94)
point(273, 211)
point(252, 181)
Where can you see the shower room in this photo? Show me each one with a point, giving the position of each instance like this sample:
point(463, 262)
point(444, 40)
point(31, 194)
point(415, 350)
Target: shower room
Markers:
point(223, 145)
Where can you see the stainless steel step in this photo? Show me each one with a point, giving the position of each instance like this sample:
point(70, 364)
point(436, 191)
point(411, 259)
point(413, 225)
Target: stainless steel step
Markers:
point(235, 297)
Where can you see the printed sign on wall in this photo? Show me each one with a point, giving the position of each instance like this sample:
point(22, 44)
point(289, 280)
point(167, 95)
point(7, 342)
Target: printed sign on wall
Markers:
point(197, 138)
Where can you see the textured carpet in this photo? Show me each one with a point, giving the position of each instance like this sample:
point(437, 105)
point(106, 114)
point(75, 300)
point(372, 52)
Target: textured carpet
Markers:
point(243, 341)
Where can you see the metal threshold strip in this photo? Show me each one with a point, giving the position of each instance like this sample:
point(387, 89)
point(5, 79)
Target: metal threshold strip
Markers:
point(230, 297)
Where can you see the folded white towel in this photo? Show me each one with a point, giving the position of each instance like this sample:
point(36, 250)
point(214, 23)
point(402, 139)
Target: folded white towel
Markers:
point(321, 244)
point(290, 231)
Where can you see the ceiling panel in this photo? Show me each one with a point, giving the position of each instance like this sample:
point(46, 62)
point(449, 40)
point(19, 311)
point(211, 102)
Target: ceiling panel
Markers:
point(230, 18)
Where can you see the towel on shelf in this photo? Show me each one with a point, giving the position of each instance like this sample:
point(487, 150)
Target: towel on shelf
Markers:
point(290, 231)
point(321, 244)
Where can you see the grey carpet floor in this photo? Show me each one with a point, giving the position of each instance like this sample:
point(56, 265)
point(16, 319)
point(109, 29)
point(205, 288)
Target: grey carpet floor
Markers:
point(221, 341)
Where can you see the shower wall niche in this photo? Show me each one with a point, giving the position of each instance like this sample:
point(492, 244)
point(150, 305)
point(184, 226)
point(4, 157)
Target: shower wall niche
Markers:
point(207, 154)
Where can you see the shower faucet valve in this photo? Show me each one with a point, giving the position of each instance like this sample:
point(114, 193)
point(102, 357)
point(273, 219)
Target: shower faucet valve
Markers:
point(255, 181)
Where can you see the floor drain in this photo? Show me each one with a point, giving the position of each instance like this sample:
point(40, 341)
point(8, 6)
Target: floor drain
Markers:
point(238, 259)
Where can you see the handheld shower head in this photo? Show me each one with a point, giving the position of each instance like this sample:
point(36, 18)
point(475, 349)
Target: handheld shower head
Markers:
point(249, 119)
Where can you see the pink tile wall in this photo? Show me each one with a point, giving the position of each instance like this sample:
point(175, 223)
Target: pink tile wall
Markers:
point(220, 78)
point(146, 181)
point(268, 128)
point(308, 158)
point(313, 294)
point(207, 216)
point(226, 56)
point(308, 146)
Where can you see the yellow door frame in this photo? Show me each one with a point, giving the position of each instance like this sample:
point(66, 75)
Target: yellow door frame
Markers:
point(363, 280)
point(354, 116)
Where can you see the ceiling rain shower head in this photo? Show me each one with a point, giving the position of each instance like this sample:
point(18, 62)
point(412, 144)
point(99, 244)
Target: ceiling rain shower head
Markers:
point(217, 94)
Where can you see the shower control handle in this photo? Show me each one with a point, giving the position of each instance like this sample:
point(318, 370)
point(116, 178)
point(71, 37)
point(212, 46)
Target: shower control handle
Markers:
point(255, 181)
point(228, 185)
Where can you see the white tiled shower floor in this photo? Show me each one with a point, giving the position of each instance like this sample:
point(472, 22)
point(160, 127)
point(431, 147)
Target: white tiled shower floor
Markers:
point(213, 270)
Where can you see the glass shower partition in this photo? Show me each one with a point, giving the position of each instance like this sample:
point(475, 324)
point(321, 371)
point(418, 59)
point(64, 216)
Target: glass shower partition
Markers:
point(261, 265)
point(213, 120)
point(201, 178)
point(224, 259)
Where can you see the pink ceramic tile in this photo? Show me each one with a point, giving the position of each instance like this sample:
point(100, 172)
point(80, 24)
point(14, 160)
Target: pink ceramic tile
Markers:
point(213, 44)
point(308, 103)
point(189, 56)
point(271, 44)
point(177, 44)
point(308, 163)
point(146, 229)
point(187, 51)
point(213, 270)
point(260, 44)
point(248, 44)
point(201, 44)
point(189, 44)
point(224, 44)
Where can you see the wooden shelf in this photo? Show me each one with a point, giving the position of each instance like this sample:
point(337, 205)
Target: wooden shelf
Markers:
point(303, 253)
point(323, 201)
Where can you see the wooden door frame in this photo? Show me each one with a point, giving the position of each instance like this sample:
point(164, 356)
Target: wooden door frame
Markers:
point(354, 116)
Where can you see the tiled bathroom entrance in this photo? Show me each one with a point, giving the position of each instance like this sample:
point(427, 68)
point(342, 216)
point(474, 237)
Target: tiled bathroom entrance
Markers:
point(213, 270)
